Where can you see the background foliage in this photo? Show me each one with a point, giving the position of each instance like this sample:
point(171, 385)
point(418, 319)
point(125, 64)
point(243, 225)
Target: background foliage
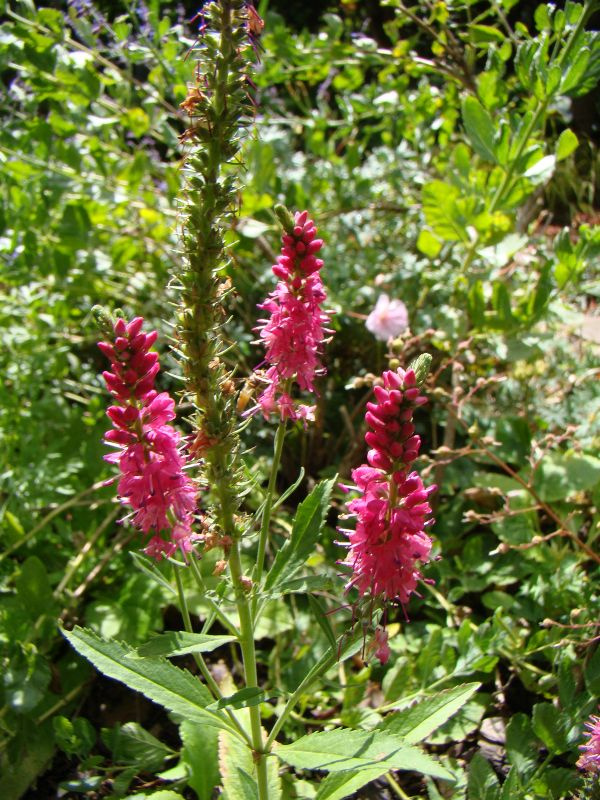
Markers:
point(450, 158)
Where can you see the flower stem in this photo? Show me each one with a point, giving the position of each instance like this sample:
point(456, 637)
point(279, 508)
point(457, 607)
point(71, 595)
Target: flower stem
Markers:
point(200, 662)
point(266, 518)
point(216, 610)
point(246, 638)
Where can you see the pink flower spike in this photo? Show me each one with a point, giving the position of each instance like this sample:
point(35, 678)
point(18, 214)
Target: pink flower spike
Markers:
point(389, 544)
point(153, 483)
point(294, 332)
point(388, 319)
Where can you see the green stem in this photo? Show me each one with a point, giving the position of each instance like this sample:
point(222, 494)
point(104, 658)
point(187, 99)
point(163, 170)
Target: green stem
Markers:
point(320, 668)
point(395, 786)
point(200, 662)
point(246, 638)
point(266, 518)
point(223, 619)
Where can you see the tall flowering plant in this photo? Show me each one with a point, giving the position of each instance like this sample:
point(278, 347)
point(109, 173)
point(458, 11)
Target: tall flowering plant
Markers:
point(185, 495)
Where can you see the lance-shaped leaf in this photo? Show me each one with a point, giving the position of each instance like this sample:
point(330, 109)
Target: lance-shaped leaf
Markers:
point(174, 688)
point(416, 723)
point(306, 530)
point(344, 750)
point(181, 643)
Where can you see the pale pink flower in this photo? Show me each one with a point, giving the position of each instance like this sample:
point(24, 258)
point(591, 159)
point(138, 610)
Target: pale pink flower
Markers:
point(153, 481)
point(589, 760)
point(294, 331)
point(388, 319)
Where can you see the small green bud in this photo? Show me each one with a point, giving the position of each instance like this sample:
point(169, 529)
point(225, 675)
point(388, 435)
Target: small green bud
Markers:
point(285, 218)
point(421, 366)
point(104, 321)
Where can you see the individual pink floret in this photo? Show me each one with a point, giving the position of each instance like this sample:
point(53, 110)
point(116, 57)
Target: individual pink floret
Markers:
point(589, 760)
point(294, 331)
point(153, 481)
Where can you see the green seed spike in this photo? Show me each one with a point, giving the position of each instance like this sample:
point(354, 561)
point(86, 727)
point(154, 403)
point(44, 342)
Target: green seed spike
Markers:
point(220, 110)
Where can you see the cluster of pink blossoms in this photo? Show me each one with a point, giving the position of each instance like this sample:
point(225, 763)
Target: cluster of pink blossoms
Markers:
point(589, 760)
point(153, 483)
point(389, 541)
point(294, 332)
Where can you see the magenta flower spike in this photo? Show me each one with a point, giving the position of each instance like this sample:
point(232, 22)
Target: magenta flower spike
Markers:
point(389, 543)
point(153, 481)
point(589, 760)
point(294, 331)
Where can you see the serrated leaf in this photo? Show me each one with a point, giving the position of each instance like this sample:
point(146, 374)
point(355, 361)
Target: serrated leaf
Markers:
point(480, 128)
point(344, 749)
point(238, 770)
point(200, 757)
point(306, 529)
point(180, 643)
point(249, 696)
point(174, 688)
point(416, 723)
point(342, 784)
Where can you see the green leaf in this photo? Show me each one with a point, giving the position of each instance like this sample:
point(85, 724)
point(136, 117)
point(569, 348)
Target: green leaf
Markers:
point(200, 757)
point(483, 783)
point(567, 143)
point(17, 776)
point(238, 770)
point(428, 244)
point(344, 749)
point(149, 568)
point(512, 786)
point(549, 725)
point(343, 784)
point(441, 206)
point(180, 643)
point(592, 673)
point(320, 615)
point(249, 696)
point(480, 128)
point(132, 744)
point(520, 748)
point(560, 474)
point(416, 723)
point(306, 530)
point(486, 34)
point(159, 680)
point(33, 588)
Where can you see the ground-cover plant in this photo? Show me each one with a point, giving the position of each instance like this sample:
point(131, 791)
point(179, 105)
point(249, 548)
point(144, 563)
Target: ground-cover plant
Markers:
point(401, 199)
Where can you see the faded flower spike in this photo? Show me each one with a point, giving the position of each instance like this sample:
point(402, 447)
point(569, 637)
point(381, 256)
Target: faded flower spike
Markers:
point(153, 483)
point(389, 543)
point(294, 332)
point(589, 760)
